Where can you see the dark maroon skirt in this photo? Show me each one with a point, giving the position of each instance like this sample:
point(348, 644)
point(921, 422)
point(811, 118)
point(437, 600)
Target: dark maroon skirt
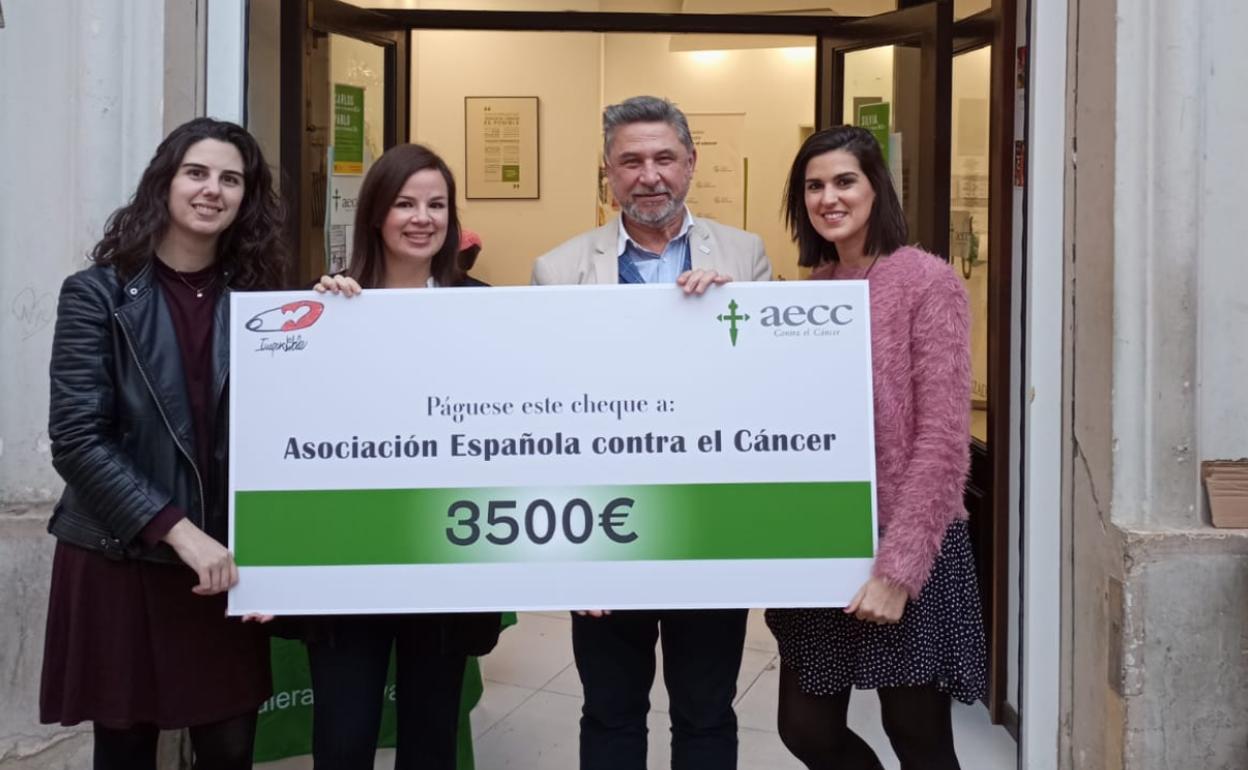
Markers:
point(128, 643)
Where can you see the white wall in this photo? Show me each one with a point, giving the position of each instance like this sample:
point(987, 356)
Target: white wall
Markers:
point(82, 105)
point(264, 113)
point(561, 69)
point(226, 65)
point(868, 73)
point(1160, 196)
point(81, 117)
point(1222, 377)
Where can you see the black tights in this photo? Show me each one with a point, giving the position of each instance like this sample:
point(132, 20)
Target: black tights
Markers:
point(224, 745)
point(917, 720)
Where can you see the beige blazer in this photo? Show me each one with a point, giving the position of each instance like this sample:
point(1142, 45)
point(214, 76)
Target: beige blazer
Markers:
point(592, 257)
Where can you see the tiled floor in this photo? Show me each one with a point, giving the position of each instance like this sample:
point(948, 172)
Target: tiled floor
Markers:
point(528, 716)
point(527, 719)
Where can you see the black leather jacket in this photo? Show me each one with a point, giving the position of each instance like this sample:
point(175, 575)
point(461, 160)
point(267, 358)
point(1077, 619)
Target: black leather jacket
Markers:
point(120, 419)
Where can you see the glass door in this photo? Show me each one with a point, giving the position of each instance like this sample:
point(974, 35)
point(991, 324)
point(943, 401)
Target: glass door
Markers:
point(894, 71)
point(981, 206)
point(924, 86)
point(891, 74)
point(344, 72)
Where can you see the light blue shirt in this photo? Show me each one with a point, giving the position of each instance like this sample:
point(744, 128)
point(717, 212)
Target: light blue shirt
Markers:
point(657, 268)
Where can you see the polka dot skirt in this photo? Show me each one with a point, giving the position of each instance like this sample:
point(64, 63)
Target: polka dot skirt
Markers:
point(940, 639)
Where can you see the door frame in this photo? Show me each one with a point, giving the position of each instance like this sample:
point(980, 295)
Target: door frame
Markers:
point(300, 19)
point(1001, 313)
point(996, 27)
point(353, 21)
point(1041, 400)
point(929, 25)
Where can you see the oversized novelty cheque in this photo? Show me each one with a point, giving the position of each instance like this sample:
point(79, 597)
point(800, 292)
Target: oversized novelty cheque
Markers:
point(551, 448)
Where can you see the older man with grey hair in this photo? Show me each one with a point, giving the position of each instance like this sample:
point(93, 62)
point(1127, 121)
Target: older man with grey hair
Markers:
point(650, 160)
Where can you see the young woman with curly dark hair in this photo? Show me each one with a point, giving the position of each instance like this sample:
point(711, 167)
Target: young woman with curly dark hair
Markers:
point(137, 638)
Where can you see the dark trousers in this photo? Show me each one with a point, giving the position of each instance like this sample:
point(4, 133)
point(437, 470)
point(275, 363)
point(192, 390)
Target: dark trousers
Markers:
point(348, 683)
point(917, 720)
point(701, 659)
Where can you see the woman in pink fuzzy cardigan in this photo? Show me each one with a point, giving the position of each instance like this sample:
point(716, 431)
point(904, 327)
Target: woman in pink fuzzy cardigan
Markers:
point(914, 631)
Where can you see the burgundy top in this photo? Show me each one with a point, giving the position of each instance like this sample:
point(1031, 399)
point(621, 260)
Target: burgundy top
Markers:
point(192, 300)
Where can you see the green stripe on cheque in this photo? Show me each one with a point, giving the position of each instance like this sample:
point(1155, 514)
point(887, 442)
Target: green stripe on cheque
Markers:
point(805, 520)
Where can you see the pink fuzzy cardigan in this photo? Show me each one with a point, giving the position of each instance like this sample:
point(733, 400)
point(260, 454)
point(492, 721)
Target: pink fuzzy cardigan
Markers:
point(921, 359)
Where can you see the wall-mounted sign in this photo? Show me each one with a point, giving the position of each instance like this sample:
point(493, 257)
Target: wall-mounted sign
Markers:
point(348, 129)
point(876, 118)
point(341, 197)
point(500, 147)
point(719, 181)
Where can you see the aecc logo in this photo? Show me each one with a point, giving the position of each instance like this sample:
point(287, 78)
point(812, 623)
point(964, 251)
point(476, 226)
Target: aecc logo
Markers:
point(791, 321)
point(815, 315)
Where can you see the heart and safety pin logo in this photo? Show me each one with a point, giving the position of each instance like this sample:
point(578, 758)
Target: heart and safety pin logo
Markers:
point(286, 318)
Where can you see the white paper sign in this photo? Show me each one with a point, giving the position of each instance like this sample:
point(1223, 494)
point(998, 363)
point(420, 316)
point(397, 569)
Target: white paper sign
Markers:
point(551, 448)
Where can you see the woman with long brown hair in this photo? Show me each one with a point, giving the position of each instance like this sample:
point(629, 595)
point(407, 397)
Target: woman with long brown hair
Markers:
point(137, 638)
point(407, 236)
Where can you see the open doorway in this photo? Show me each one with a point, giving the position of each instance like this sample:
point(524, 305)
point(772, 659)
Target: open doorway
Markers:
point(764, 79)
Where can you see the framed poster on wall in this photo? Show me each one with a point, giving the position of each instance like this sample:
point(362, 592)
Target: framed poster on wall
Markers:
point(719, 183)
point(500, 147)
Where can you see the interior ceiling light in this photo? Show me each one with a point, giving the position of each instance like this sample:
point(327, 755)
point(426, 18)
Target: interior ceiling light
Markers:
point(803, 54)
point(708, 57)
point(791, 7)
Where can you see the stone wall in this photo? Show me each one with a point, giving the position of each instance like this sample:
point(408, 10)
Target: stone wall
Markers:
point(25, 559)
point(88, 90)
point(1184, 663)
point(1155, 670)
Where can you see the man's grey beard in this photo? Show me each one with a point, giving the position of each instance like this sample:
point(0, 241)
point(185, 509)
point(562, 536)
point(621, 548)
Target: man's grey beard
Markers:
point(657, 218)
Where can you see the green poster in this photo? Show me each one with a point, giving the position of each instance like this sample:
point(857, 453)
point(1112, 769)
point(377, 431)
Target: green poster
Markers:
point(348, 129)
point(876, 119)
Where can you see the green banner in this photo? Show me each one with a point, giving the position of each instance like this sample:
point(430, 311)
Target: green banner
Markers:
point(348, 129)
point(876, 119)
point(809, 520)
